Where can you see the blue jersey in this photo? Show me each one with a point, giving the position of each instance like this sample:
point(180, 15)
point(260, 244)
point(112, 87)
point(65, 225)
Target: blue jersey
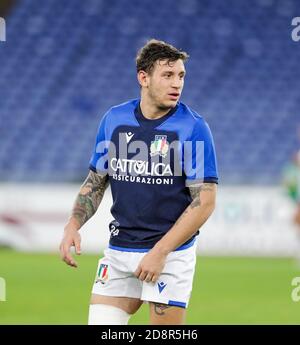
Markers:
point(151, 164)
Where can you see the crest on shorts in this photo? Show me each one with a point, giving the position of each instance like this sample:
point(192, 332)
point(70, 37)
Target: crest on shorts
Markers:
point(102, 274)
point(159, 146)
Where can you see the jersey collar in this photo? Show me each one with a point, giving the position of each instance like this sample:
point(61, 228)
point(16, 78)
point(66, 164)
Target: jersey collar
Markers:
point(143, 121)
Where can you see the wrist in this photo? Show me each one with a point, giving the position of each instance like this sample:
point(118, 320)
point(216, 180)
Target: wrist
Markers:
point(72, 225)
point(162, 249)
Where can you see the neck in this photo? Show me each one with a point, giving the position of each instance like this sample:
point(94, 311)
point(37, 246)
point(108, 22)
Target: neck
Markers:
point(151, 111)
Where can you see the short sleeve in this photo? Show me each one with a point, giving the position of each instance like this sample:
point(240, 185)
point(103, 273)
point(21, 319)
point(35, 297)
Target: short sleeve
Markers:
point(200, 162)
point(99, 159)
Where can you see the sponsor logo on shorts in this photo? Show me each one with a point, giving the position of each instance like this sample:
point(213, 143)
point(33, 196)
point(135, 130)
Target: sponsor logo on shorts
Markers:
point(102, 274)
point(161, 286)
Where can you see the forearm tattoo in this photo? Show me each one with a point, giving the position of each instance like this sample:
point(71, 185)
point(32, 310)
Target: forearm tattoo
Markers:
point(195, 194)
point(159, 309)
point(89, 197)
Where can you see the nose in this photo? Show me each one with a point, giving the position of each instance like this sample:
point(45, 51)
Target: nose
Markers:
point(177, 83)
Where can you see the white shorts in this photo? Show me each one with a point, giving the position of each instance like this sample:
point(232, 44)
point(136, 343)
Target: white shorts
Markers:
point(115, 277)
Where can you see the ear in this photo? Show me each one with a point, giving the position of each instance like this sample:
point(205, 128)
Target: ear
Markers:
point(142, 77)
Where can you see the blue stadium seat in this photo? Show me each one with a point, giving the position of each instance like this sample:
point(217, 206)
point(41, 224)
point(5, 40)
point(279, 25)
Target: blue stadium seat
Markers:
point(65, 63)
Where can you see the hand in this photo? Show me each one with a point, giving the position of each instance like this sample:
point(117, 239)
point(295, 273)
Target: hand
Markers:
point(151, 266)
point(71, 239)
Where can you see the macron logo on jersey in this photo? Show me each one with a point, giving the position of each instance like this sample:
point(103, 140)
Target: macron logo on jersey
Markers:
point(129, 136)
point(161, 286)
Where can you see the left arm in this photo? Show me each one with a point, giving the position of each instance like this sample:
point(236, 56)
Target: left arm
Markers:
point(195, 215)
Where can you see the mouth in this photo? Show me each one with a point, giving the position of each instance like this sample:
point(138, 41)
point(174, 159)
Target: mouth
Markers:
point(174, 95)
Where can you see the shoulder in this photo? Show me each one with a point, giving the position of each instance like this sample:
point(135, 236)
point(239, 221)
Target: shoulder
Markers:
point(193, 119)
point(117, 113)
point(123, 107)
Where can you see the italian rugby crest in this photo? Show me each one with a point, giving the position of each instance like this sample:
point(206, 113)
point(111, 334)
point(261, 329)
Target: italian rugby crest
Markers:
point(102, 274)
point(159, 146)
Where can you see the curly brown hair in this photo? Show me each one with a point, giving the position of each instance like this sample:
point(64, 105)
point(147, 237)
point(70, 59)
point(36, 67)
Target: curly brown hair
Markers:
point(155, 50)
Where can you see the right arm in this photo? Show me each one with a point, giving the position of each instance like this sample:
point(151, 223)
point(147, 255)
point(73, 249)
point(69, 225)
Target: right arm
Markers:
point(85, 206)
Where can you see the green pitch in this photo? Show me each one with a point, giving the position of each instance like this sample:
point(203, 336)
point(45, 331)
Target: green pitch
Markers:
point(41, 289)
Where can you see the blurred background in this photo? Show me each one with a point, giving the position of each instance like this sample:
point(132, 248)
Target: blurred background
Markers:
point(63, 64)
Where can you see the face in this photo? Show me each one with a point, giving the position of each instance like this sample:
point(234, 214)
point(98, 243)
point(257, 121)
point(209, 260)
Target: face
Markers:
point(163, 86)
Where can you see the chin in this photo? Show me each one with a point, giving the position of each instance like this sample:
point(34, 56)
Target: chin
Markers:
point(172, 104)
point(168, 104)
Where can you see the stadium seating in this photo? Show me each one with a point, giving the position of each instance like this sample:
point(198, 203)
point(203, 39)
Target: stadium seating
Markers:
point(65, 63)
